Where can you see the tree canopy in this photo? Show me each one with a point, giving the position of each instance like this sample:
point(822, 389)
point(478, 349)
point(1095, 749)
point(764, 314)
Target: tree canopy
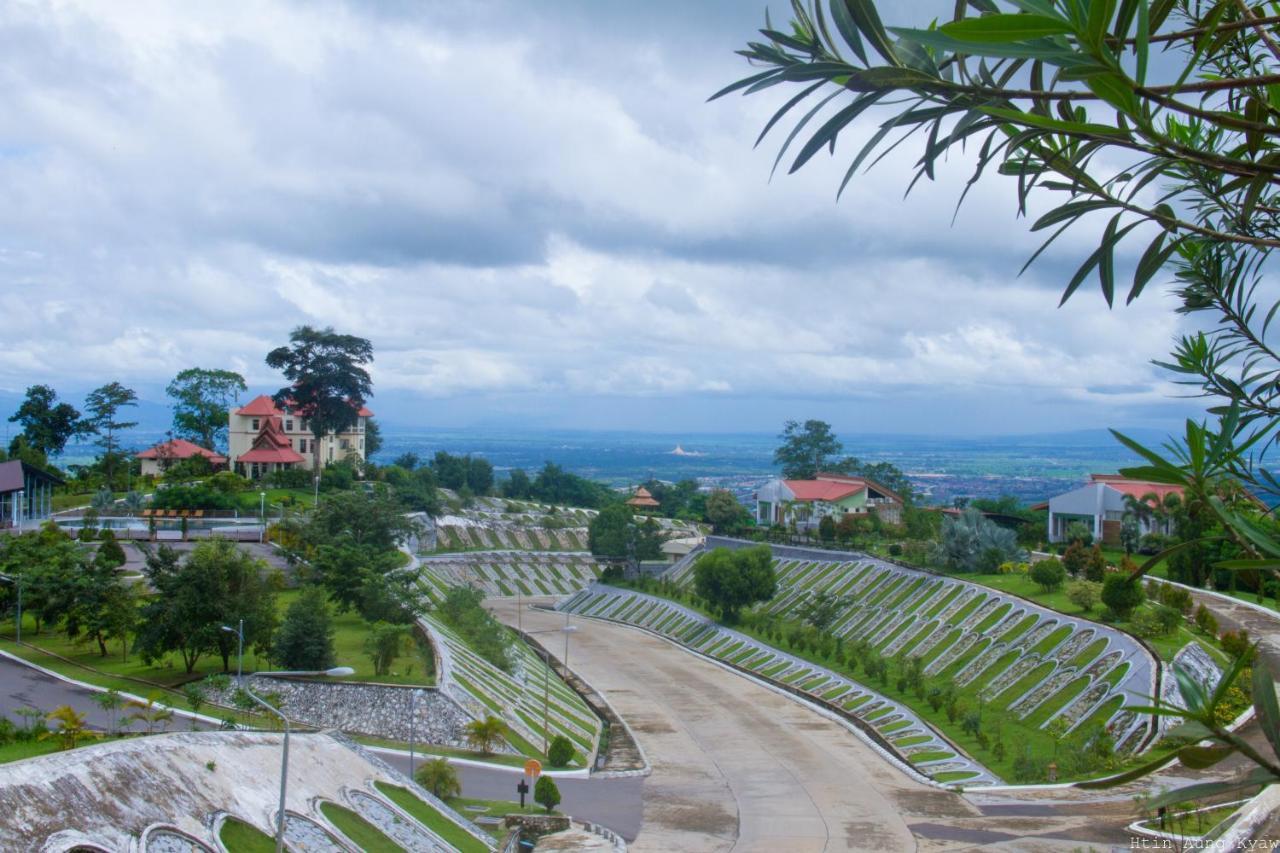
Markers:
point(732, 580)
point(806, 449)
point(201, 403)
point(328, 380)
point(47, 425)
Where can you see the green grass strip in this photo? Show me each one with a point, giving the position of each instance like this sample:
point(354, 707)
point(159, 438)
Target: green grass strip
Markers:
point(432, 818)
point(363, 834)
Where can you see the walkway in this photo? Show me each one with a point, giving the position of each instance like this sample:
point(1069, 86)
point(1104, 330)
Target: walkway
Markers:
point(739, 767)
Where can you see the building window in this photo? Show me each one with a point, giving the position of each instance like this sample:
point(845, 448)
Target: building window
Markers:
point(362, 444)
point(288, 425)
point(254, 425)
point(345, 444)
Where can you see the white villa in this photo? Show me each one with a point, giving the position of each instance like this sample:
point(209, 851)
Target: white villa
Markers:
point(264, 438)
point(1100, 506)
point(806, 501)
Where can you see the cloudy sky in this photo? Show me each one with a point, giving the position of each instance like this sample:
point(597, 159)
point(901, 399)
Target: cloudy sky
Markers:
point(533, 213)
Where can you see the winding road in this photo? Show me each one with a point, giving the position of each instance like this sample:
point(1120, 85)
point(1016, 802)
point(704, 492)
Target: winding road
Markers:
point(737, 766)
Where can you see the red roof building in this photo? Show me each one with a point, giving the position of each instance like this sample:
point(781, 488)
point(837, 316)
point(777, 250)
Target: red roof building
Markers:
point(155, 459)
point(805, 502)
point(266, 437)
point(643, 499)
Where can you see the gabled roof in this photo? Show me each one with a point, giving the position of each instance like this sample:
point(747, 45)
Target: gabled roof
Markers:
point(863, 481)
point(1136, 488)
point(14, 473)
point(264, 406)
point(260, 406)
point(823, 490)
point(271, 445)
point(180, 449)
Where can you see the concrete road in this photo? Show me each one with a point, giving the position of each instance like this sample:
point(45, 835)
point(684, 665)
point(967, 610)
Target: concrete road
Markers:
point(739, 767)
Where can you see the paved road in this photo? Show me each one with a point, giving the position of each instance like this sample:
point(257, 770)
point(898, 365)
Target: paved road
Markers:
point(739, 767)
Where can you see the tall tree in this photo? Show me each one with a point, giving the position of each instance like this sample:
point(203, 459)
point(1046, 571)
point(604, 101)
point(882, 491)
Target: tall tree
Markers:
point(731, 580)
point(104, 405)
point(47, 424)
point(328, 381)
point(201, 403)
point(806, 449)
point(372, 437)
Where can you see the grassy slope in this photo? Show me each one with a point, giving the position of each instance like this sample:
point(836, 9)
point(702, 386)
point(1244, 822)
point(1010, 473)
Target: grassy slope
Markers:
point(239, 837)
point(432, 818)
point(366, 836)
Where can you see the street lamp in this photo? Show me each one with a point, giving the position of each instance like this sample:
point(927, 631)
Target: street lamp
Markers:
point(315, 499)
point(239, 632)
point(16, 580)
point(546, 672)
point(336, 672)
point(262, 514)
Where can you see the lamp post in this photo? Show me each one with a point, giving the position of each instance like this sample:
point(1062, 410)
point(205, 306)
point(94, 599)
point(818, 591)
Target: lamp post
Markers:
point(315, 498)
point(19, 507)
point(262, 515)
point(546, 673)
point(336, 672)
point(16, 580)
point(239, 632)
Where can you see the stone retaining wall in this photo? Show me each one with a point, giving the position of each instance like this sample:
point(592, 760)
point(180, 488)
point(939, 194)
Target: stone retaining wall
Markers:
point(380, 710)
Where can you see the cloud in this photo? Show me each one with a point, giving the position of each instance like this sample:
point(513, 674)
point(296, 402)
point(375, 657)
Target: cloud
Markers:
point(508, 200)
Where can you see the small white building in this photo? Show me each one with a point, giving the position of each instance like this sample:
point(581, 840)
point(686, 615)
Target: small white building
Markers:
point(806, 502)
point(1100, 506)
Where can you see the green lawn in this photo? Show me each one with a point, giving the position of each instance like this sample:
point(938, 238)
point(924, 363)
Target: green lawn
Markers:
point(239, 837)
point(350, 630)
point(471, 807)
point(432, 818)
point(19, 750)
point(432, 750)
point(365, 835)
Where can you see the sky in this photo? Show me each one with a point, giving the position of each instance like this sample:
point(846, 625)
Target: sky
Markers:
point(533, 213)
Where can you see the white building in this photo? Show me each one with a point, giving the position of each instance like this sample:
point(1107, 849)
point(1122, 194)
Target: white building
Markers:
point(806, 501)
point(264, 438)
point(1100, 506)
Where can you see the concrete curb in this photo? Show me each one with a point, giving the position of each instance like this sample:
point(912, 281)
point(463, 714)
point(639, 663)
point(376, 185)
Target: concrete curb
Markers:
point(582, 773)
point(94, 688)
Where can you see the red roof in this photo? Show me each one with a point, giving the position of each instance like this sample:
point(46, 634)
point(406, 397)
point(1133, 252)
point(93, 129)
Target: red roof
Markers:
point(271, 445)
point(823, 490)
point(264, 406)
point(180, 449)
point(642, 497)
point(1136, 488)
point(260, 406)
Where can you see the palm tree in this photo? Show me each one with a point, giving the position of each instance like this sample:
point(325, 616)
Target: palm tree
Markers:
point(483, 734)
point(151, 714)
point(439, 777)
point(110, 702)
point(71, 727)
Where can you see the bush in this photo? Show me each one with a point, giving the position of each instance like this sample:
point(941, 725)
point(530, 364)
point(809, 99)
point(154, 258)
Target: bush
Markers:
point(546, 794)
point(827, 529)
point(1084, 594)
point(560, 753)
point(1237, 644)
point(439, 777)
point(895, 550)
point(229, 483)
point(1176, 597)
point(1049, 574)
point(198, 496)
point(1206, 621)
point(1121, 595)
point(1078, 533)
point(1154, 543)
point(1012, 568)
point(1146, 624)
point(1075, 559)
point(291, 478)
point(1095, 568)
point(109, 552)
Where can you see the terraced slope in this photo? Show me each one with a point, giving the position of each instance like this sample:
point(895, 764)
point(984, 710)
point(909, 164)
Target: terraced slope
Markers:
point(517, 697)
point(506, 573)
point(1038, 664)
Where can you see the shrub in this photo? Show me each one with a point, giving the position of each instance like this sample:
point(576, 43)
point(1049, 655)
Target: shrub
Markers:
point(1049, 574)
point(1078, 533)
point(560, 753)
point(305, 638)
point(1176, 597)
point(1012, 568)
point(109, 552)
point(1074, 559)
point(827, 529)
point(1084, 594)
point(1095, 568)
point(1153, 543)
point(291, 478)
point(1170, 618)
point(1206, 621)
point(1146, 624)
point(1237, 644)
point(895, 550)
point(231, 483)
point(439, 777)
point(1121, 595)
point(546, 794)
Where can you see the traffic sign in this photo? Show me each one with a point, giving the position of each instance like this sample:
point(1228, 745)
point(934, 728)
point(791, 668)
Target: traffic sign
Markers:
point(533, 768)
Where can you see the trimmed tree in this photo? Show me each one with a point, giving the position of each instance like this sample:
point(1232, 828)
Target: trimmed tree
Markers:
point(439, 777)
point(305, 638)
point(731, 580)
point(546, 794)
point(1121, 594)
point(560, 753)
point(1048, 573)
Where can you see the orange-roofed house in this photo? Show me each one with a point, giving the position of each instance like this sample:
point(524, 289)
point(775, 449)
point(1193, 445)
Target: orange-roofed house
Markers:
point(807, 502)
point(156, 459)
point(264, 437)
point(1100, 505)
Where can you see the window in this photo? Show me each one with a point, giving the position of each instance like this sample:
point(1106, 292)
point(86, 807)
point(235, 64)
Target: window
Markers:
point(362, 444)
point(255, 424)
point(288, 425)
point(345, 444)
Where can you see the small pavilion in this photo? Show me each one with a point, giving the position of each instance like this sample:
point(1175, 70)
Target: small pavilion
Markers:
point(26, 493)
point(643, 500)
